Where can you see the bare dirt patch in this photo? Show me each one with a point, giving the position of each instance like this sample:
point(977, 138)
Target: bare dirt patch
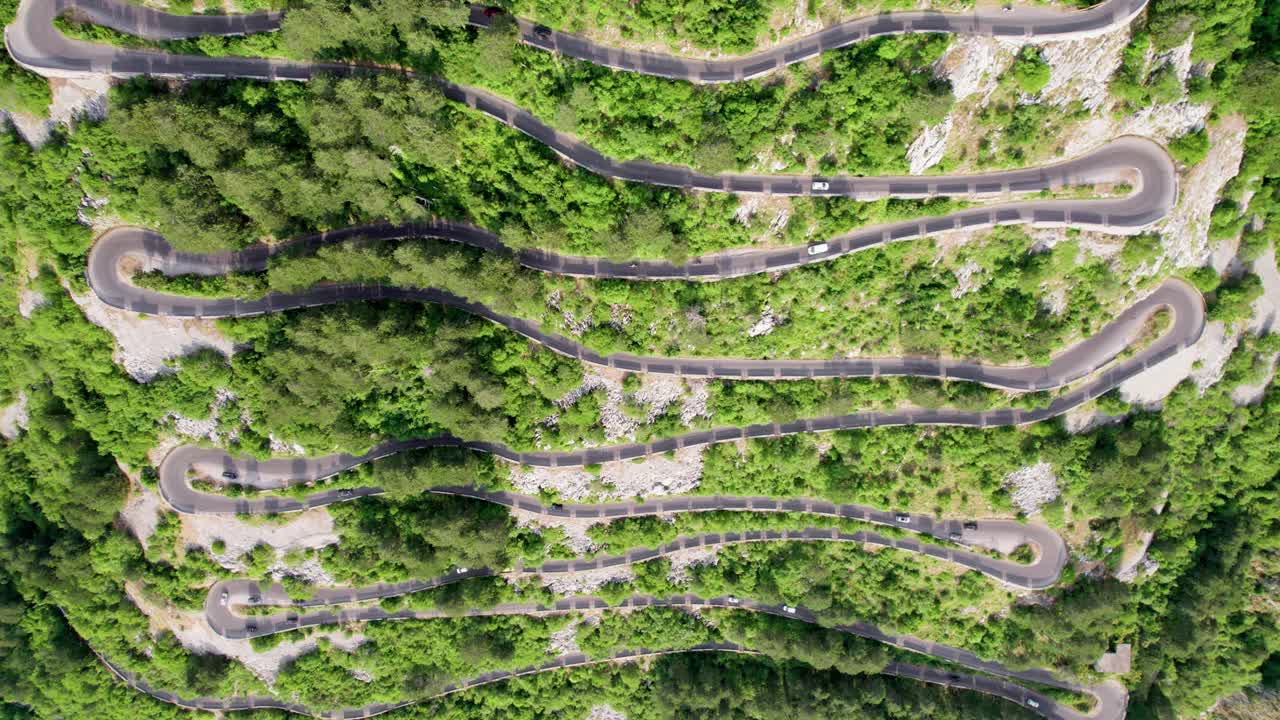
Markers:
point(305, 530)
point(145, 343)
point(141, 512)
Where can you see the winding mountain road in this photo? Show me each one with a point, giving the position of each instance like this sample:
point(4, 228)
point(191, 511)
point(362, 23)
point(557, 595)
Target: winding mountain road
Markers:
point(184, 463)
point(1041, 23)
point(1080, 361)
point(35, 44)
point(249, 594)
point(1111, 697)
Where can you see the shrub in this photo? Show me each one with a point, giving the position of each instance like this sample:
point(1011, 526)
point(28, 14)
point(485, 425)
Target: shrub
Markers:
point(1191, 148)
point(1030, 71)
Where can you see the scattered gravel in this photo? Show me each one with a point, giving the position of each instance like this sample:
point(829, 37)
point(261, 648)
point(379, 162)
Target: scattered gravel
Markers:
point(282, 447)
point(1081, 421)
point(1055, 301)
point(929, 146)
point(685, 559)
point(205, 428)
point(1033, 486)
point(747, 207)
point(565, 640)
point(144, 343)
point(572, 484)
point(575, 529)
point(309, 571)
point(616, 423)
point(657, 393)
point(656, 475)
point(14, 417)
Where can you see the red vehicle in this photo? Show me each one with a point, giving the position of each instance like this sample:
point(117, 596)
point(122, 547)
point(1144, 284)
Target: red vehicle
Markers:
point(494, 11)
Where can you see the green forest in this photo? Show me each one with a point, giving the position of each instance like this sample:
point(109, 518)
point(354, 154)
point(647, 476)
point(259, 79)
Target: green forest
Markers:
point(216, 165)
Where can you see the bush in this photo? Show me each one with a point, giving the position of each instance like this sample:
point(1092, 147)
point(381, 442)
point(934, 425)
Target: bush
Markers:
point(1030, 71)
point(1191, 148)
point(1205, 279)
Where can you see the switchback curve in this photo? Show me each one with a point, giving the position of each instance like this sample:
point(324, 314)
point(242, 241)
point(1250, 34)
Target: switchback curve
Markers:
point(37, 45)
point(1040, 23)
point(1111, 696)
point(184, 462)
point(104, 276)
point(248, 593)
point(1022, 22)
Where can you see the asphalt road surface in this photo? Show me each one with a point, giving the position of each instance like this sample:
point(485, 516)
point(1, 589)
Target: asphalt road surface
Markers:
point(35, 44)
point(183, 463)
point(1021, 22)
point(225, 597)
point(1084, 359)
point(38, 47)
point(1110, 696)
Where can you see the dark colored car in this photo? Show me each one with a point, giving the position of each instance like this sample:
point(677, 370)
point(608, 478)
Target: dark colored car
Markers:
point(971, 525)
point(345, 492)
point(229, 475)
point(542, 31)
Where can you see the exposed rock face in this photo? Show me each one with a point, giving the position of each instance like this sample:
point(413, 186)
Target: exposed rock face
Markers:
point(929, 146)
point(682, 561)
point(1186, 230)
point(587, 581)
point(1203, 362)
point(969, 277)
point(1080, 69)
point(605, 712)
point(974, 63)
point(14, 417)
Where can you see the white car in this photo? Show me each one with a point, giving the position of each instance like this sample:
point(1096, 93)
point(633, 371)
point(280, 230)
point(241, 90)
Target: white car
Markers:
point(460, 570)
point(733, 600)
point(820, 185)
point(818, 249)
point(1007, 9)
point(904, 518)
point(223, 598)
point(788, 610)
point(1032, 703)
